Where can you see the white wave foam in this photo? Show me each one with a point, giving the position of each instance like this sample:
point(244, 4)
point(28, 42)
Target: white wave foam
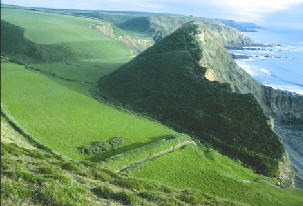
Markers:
point(265, 71)
point(289, 88)
point(247, 68)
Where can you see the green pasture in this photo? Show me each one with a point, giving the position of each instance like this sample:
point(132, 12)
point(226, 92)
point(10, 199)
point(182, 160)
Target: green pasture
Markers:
point(146, 151)
point(63, 119)
point(50, 28)
point(79, 71)
point(67, 46)
point(215, 174)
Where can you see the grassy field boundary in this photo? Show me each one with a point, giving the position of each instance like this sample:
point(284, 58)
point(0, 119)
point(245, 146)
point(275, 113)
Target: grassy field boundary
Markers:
point(123, 161)
point(22, 131)
point(171, 149)
point(89, 120)
point(31, 68)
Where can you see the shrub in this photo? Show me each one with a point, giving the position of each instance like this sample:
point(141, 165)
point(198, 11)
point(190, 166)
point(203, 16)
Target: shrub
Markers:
point(102, 147)
point(116, 141)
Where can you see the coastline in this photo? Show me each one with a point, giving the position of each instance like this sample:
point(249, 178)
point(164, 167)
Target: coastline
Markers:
point(292, 138)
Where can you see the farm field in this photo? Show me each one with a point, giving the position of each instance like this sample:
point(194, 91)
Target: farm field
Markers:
point(63, 119)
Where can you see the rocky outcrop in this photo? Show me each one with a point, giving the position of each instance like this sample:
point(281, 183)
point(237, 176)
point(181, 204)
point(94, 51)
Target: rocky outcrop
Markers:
point(136, 45)
point(292, 137)
point(283, 105)
point(158, 27)
point(279, 104)
point(286, 172)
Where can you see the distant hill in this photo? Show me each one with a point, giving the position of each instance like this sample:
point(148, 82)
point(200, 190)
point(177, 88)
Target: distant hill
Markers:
point(159, 25)
point(241, 26)
point(118, 17)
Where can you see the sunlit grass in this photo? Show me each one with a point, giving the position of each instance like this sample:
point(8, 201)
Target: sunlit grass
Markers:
point(63, 119)
point(213, 173)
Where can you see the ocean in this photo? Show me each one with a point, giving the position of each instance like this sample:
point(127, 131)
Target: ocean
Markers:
point(279, 66)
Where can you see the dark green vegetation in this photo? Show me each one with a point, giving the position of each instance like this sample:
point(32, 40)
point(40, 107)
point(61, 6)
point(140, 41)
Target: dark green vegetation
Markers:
point(231, 122)
point(17, 46)
point(51, 104)
point(102, 147)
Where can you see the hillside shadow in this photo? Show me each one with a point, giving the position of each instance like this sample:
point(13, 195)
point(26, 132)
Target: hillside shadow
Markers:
point(103, 156)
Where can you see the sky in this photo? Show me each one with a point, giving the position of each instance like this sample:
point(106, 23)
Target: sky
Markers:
point(287, 13)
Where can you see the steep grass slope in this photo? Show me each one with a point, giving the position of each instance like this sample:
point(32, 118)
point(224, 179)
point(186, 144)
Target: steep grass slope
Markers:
point(63, 119)
point(215, 174)
point(175, 90)
point(31, 176)
point(36, 177)
point(10, 135)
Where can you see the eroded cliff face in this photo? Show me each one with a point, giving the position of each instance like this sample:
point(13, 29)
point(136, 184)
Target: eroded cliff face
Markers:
point(292, 137)
point(286, 176)
point(278, 105)
point(283, 105)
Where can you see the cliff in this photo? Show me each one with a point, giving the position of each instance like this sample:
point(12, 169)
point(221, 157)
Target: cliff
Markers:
point(160, 26)
point(282, 105)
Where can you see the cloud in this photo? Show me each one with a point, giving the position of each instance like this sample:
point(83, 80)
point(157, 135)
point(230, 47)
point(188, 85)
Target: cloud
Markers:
point(254, 9)
point(244, 10)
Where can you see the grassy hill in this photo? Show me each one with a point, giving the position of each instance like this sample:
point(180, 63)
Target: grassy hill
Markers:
point(30, 176)
point(231, 122)
point(60, 146)
point(215, 174)
point(63, 119)
point(158, 25)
